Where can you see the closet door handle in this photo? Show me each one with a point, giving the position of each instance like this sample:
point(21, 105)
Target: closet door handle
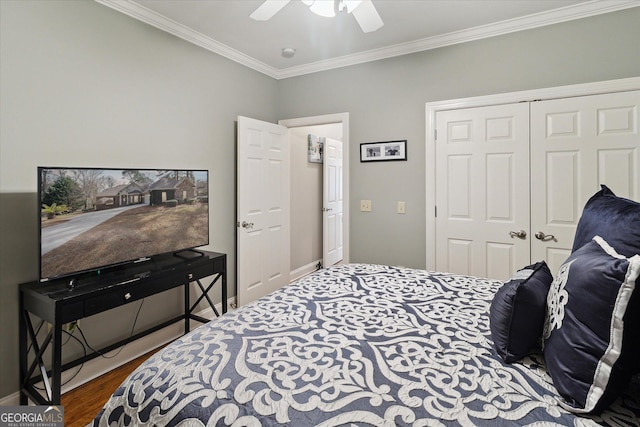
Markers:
point(519, 234)
point(247, 225)
point(545, 237)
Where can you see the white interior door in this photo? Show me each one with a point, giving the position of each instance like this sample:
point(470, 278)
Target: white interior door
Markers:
point(482, 190)
point(576, 145)
point(332, 201)
point(263, 260)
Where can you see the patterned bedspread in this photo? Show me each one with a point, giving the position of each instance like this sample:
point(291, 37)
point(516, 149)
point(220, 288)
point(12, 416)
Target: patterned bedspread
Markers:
point(355, 345)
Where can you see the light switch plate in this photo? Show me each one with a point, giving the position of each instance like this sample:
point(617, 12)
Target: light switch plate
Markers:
point(401, 207)
point(365, 205)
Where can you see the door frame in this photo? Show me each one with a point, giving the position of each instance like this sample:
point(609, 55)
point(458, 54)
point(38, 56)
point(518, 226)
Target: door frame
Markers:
point(343, 119)
point(431, 108)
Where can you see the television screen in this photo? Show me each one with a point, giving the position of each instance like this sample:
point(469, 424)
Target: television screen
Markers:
point(90, 219)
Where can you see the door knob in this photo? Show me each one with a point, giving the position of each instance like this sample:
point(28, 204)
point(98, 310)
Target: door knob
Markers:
point(544, 237)
point(247, 225)
point(519, 234)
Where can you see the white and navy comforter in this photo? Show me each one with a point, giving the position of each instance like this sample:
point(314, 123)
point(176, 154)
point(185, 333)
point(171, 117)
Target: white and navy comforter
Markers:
point(355, 345)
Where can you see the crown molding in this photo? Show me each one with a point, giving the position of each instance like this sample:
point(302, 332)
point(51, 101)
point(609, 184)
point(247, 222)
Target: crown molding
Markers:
point(568, 13)
point(141, 13)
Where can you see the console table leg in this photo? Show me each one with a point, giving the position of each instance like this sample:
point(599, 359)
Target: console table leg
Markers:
point(224, 291)
point(187, 312)
point(56, 373)
point(22, 334)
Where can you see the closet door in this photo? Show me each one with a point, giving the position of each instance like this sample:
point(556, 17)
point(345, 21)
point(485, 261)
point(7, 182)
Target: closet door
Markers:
point(482, 190)
point(576, 145)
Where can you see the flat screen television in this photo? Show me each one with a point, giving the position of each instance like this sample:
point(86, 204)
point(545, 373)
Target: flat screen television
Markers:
point(91, 219)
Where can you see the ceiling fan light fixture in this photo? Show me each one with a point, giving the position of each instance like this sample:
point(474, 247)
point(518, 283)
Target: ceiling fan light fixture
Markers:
point(323, 8)
point(363, 11)
point(268, 9)
point(350, 5)
point(368, 17)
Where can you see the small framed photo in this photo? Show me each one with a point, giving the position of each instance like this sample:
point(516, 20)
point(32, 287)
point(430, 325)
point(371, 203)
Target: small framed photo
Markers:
point(383, 151)
point(315, 146)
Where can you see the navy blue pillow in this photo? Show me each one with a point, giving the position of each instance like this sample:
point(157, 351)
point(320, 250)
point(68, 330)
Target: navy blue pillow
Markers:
point(615, 219)
point(589, 350)
point(517, 312)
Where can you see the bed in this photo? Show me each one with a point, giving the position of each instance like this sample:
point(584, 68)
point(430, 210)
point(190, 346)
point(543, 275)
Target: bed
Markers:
point(354, 345)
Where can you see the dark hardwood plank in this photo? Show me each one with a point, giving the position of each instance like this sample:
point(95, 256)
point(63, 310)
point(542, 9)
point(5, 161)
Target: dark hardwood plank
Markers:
point(82, 404)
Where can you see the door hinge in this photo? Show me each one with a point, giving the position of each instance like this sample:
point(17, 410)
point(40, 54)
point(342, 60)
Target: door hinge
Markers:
point(435, 134)
point(436, 211)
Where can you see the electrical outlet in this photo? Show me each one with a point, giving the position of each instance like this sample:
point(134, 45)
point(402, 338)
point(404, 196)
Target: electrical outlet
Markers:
point(365, 205)
point(401, 208)
point(71, 326)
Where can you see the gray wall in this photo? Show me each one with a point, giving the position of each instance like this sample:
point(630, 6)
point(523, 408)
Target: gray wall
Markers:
point(84, 85)
point(386, 101)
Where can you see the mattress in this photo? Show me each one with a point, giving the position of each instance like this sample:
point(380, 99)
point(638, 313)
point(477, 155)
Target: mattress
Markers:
point(354, 345)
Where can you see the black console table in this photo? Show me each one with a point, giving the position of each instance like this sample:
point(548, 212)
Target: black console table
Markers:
point(60, 302)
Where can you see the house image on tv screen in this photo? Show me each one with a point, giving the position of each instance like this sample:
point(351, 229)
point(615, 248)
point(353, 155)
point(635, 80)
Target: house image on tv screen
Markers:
point(161, 192)
point(120, 195)
point(168, 188)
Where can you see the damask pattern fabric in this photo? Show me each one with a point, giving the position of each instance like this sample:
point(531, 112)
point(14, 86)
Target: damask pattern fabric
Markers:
point(353, 345)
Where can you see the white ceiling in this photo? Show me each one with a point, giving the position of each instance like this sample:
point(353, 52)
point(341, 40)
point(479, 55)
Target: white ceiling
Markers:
point(224, 27)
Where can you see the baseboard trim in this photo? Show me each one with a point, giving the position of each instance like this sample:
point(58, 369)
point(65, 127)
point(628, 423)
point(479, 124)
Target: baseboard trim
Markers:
point(11, 400)
point(304, 270)
point(94, 368)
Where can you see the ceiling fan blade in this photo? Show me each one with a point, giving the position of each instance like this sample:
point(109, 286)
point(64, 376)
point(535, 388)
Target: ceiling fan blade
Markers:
point(367, 16)
point(267, 9)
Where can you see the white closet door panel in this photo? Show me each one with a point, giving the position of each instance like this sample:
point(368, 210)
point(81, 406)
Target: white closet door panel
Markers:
point(576, 145)
point(459, 187)
point(458, 256)
point(482, 190)
point(562, 170)
point(501, 260)
point(619, 169)
point(499, 183)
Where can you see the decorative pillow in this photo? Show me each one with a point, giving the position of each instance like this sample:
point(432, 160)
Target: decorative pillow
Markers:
point(517, 312)
point(588, 347)
point(615, 219)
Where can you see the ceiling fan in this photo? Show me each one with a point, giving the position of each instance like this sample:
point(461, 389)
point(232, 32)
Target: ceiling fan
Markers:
point(363, 10)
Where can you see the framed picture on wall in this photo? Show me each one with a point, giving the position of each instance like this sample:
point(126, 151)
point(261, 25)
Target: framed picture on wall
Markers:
point(315, 147)
point(383, 151)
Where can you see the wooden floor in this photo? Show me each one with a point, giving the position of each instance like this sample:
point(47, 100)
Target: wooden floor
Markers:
point(82, 404)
